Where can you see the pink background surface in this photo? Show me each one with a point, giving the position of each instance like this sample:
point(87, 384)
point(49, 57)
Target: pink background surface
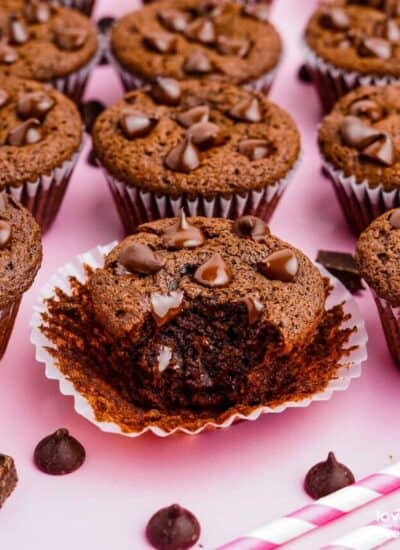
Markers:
point(236, 479)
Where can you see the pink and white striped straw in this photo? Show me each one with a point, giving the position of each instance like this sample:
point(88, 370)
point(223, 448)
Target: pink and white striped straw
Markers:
point(320, 513)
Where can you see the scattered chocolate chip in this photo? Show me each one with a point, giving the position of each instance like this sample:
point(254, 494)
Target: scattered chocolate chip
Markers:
point(381, 150)
point(375, 47)
point(90, 110)
point(197, 62)
point(184, 157)
point(69, 38)
point(205, 135)
point(395, 219)
point(356, 133)
point(214, 272)
point(173, 20)
point(104, 24)
point(335, 19)
point(194, 115)
point(135, 124)
point(182, 234)
point(173, 528)
point(304, 74)
point(166, 91)
point(140, 258)
point(165, 307)
point(257, 11)
point(247, 110)
point(27, 133)
point(250, 227)
point(37, 11)
point(8, 477)
point(161, 42)
point(327, 477)
point(233, 46)
point(201, 30)
point(5, 233)
point(3, 97)
point(254, 307)
point(368, 108)
point(342, 266)
point(7, 54)
point(59, 454)
point(254, 149)
point(17, 31)
point(388, 29)
point(280, 266)
point(34, 105)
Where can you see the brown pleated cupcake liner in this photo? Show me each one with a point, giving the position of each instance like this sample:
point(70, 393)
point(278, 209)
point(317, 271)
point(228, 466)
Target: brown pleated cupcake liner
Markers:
point(390, 318)
point(85, 6)
point(360, 202)
point(332, 83)
point(8, 315)
point(43, 197)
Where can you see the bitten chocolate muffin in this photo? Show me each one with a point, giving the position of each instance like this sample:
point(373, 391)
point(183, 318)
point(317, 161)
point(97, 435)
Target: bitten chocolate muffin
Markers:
point(40, 138)
point(353, 43)
point(360, 146)
point(181, 39)
point(213, 149)
point(47, 43)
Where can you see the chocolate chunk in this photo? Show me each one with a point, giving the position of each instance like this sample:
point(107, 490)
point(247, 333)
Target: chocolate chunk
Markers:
point(182, 234)
point(90, 110)
point(37, 11)
point(335, 19)
point(381, 150)
point(8, 477)
point(3, 97)
point(194, 115)
point(34, 105)
point(173, 20)
point(250, 227)
point(165, 307)
point(214, 272)
point(375, 47)
point(27, 133)
point(70, 39)
point(135, 124)
point(395, 219)
point(247, 110)
point(17, 31)
point(104, 24)
point(140, 258)
point(368, 108)
point(327, 477)
point(5, 233)
point(280, 266)
point(254, 149)
point(342, 266)
point(184, 157)
point(257, 11)
point(254, 307)
point(59, 454)
point(304, 74)
point(233, 46)
point(166, 91)
point(7, 54)
point(205, 135)
point(388, 29)
point(201, 30)
point(173, 528)
point(161, 42)
point(355, 133)
point(197, 63)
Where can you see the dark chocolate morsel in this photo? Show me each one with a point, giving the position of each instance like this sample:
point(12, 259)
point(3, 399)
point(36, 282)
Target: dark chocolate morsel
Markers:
point(135, 124)
point(27, 133)
point(7, 54)
point(104, 24)
point(165, 307)
point(327, 477)
point(173, 20)
point(254, 307)
point(173, 528)
point(254, 149)
point(335, 19)
point(395, 219)
point(197, 63)
point(34, 105)
point(3, 97)
point(247, 110)
point(381, 150)
point(17, 31)
point(388, 29)
point(166, 91)
point(37, 11)
point(5, 233)
point(8, 477)
point(375, 47)
point(140, 258)
point(201, 30)
point(257, 11)
point(59, 454)
point(215, 272)
point(70, 39)
point(304, 74)
point(90, 110)
point(182, 234)
point(368, 108)
point(233, 46)
point(184, 157)
point(161, 42)
point(342, 266)
point(356, 133)
point(250, 227)
point(205, 135)
point(194, 115)
point(281, 265)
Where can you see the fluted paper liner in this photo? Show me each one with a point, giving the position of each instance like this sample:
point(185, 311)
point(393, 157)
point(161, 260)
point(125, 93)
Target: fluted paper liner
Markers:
point(351, 364)
point(390, 318)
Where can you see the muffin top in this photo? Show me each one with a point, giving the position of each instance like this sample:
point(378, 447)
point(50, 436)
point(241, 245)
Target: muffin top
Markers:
point(171, 264)
point(377, 256)
point(196, 137)
point(361, 136)
point(20, 250)
point(43, 42)
point(39, 129)
point(356, 36)
point(206, 39)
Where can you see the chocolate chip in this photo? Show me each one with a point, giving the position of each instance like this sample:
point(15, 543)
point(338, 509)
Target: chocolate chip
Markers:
point(355, 133)
point(250, 227)
point(342, 266)
point(34, 105)
point(304, 74)
point(327, 477)
point(140, 258)
point(8, 477)
point(280, 266)
point(214, 272)
point(257, 11)
point(5, 233)
point(395, 219)
point(70, 39)
point(201, 30)
point(27, 133)
point(59, 454)
point(233, 46)
point(104, 24)
point(37, 11)
point(254, 149)
point(17, 31)
point(197, 63)
point(182, 234)
point(381, 150)
point(335, 19)
point(161, 42)
point(184, 157)
point(375, 47)
point(388, 29)
point(194, 115)
point(247, 110)
point(173, 528)
point(173, 20)
point(368, 108)
point(166, 91)
point(8, 55)
point(135, 124)
point(165, 307)
point(3, 97)
point(254, 307)
point(205, 135)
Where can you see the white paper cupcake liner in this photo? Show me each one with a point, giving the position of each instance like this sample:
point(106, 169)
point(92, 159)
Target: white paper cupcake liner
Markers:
point(85, 6)
point(350, 364)
point(390, 319)
point(360, 202)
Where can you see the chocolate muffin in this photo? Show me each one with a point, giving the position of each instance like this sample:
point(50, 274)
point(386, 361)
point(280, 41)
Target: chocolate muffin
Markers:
point(40, 139)
point(20, 259)
point(194, 319)
point(211, 148)
point(48, 44)
point(377, 256)
point(85, 6)
point(360, 146)
point(352, 44)
point(218, 40)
